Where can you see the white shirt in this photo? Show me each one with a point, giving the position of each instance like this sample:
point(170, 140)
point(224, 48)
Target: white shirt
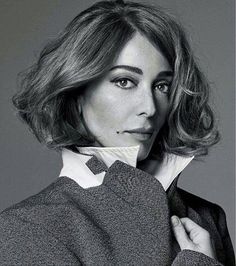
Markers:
point(74, 164)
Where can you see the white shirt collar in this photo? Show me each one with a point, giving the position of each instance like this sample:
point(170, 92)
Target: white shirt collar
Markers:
point(109, 155)
point(74, 164)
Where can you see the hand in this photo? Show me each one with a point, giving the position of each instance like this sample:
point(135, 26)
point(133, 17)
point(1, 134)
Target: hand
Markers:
point(191, 236)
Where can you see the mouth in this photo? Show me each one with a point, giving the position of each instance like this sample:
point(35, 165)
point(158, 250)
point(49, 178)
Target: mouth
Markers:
point(141, 134)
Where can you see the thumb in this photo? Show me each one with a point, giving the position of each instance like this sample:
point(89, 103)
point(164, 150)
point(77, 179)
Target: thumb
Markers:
point(180, 233)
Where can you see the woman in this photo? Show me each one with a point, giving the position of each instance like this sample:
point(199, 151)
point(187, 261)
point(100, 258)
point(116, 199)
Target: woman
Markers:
point(119, 92)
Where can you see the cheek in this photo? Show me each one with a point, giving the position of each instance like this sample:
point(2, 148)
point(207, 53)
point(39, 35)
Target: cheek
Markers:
point(102, 111)
point(163, 108)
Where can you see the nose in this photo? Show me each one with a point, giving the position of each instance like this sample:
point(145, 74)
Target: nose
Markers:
point(147, 103)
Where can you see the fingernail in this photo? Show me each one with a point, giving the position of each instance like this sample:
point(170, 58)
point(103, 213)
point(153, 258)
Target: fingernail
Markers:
point(175, 220)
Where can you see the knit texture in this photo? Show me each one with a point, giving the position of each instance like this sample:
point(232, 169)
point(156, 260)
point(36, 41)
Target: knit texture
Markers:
point(124, 221)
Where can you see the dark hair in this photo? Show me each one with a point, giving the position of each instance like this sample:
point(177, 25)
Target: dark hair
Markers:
point(85, 50)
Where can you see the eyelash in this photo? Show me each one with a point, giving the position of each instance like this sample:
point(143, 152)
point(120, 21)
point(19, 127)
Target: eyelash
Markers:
point(162, 82)
point(165, 83)
point(117, 80)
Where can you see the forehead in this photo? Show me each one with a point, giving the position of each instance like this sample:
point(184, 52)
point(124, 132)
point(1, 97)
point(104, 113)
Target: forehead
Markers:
point(141, 53)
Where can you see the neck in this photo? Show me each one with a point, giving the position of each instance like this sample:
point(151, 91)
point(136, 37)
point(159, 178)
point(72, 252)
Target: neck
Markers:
point(150, 164)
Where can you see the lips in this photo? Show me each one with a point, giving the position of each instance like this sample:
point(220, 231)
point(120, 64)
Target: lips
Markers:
point(141, 133)
point(141, 130)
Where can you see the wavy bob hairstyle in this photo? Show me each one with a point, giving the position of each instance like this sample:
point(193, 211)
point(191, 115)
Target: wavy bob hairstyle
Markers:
point(86, 49)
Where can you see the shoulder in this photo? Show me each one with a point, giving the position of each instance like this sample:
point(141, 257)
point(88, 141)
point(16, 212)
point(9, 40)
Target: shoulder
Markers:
point(201, 205)
point(196, 201)
point(39, 208)
point(45, 195)
point(25, 230)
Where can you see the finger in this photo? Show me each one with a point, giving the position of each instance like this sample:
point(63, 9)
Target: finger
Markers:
point(193, 229)
point(190, 224)
point(179, 232)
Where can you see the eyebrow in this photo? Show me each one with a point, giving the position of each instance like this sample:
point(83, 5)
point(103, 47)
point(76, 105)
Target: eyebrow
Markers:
point(167, 73)
point(129, 68)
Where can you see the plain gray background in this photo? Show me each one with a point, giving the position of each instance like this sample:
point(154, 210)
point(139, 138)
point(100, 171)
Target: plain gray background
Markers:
point(26, 25)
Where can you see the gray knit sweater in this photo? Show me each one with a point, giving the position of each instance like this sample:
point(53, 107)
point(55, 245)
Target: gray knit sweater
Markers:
point(124, 221)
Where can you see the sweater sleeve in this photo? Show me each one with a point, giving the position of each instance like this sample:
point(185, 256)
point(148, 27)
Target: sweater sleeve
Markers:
point(24, 243)
point(192, 258)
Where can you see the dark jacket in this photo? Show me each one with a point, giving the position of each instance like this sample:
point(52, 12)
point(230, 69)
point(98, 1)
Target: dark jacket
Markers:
point(124, 221)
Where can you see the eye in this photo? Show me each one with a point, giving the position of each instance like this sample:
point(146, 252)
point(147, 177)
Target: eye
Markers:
point(163, 86)
point(124, 83)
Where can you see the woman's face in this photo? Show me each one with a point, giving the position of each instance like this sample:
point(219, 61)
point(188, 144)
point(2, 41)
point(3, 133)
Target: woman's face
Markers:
point(129, 104)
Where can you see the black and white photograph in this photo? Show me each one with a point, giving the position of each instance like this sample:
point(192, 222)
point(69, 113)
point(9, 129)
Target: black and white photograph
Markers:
point(117, 132)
